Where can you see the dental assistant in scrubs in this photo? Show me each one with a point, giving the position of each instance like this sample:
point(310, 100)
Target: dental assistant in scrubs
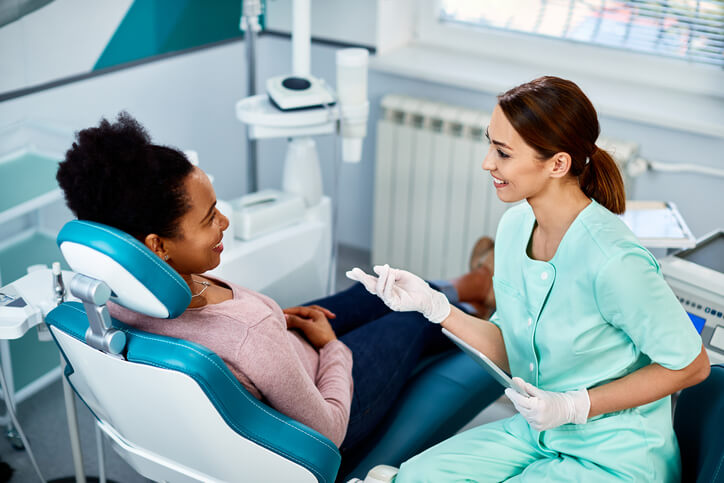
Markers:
point(585, 322)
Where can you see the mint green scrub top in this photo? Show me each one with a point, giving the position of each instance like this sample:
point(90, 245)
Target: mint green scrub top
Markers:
point(597, 311)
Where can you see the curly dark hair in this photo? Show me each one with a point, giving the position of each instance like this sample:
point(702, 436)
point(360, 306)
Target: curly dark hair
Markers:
point(114, 175)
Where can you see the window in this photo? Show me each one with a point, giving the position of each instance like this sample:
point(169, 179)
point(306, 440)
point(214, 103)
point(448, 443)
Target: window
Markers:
point(639, 76)
point(692, 30)
point(571, 39)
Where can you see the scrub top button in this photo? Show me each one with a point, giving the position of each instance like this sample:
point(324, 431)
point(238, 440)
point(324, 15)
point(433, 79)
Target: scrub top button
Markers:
point(544, 276)
point(530, 321)
point(531, 366)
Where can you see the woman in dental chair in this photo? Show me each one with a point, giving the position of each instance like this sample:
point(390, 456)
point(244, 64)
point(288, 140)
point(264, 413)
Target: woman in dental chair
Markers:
point(336, 365)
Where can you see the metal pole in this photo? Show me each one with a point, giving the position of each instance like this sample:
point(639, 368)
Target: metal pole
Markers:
point(7, 367)
point(251, 10)
point(301, 37)
point(101, 455)
point(71, 415)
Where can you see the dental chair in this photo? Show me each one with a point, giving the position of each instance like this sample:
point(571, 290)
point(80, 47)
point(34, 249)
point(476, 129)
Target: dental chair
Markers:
point(174, 411)
point(699, 426)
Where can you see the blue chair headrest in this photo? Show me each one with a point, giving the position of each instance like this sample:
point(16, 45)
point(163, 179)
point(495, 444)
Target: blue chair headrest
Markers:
point(139, 280)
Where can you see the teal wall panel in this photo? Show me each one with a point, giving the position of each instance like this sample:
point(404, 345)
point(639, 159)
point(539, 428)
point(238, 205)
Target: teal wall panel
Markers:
point(32, 358)
point(24, 176)
point(154, 27)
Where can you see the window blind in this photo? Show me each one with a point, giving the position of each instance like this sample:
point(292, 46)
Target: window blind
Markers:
point(686, 29)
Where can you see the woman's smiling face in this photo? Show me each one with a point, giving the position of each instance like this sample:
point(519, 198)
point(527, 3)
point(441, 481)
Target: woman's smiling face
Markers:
point(198, 246)
point(517, 170)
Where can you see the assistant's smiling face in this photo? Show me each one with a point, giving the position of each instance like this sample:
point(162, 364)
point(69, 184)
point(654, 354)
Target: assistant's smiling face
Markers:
point(517, 170)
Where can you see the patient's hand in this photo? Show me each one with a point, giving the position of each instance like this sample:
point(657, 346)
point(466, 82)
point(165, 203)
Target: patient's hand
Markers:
point(328, 313)
point(313, 323)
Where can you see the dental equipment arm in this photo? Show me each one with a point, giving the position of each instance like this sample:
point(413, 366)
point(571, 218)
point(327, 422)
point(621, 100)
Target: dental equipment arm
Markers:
point(16, 315)
point(58, 298)
point(25, 302)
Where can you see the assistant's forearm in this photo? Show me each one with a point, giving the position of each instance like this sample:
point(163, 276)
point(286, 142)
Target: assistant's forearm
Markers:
point(646, 385)
point(481, 334)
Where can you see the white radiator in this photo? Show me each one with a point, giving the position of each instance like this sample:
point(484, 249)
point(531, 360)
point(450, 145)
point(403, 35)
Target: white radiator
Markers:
point(432, 198)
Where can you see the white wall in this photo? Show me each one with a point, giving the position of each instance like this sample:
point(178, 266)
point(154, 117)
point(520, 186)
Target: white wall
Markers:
point(325, 15)
point(381, 24)
point(58, 40)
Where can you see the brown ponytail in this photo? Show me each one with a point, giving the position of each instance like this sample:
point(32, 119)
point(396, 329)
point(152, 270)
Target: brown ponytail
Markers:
point(553, 115)
point(602, 181)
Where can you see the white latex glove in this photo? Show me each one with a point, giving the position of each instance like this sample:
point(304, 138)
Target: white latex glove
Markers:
point(403, 291)
point(546, 409)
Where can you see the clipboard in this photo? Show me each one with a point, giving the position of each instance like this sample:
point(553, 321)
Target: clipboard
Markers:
point(495, 372)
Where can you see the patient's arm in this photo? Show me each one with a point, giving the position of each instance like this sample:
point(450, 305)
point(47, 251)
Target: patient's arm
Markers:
point(312, 322)
point(270, 357)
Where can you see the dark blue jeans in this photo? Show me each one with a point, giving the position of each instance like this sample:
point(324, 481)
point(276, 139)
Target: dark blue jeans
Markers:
point(386, 347)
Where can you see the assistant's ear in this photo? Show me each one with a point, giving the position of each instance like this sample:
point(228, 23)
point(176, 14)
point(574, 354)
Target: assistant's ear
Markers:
point(156, 245)
point(561, 165)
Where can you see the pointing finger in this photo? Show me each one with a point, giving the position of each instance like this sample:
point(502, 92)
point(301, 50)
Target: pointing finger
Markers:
point(355, 274)
point(368, 281)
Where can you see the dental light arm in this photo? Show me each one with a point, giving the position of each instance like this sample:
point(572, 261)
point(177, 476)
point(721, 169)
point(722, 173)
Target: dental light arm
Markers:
point(25, 302)
point(250, 24)
point(15, 310)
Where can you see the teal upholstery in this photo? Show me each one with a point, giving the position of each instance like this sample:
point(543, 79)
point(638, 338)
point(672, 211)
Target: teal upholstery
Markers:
point(699, 425)
point(242, 412)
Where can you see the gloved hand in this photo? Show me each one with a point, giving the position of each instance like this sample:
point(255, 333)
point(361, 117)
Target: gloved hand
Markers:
point(546, 409)
point(402, 291)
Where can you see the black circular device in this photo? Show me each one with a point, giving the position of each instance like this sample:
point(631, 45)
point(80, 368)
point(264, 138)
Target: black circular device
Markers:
point(296, 83)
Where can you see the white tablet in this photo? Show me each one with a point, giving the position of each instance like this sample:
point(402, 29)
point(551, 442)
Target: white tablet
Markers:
point(496, 372)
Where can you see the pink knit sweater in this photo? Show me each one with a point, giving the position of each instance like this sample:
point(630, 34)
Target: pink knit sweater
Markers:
point(249, 332)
